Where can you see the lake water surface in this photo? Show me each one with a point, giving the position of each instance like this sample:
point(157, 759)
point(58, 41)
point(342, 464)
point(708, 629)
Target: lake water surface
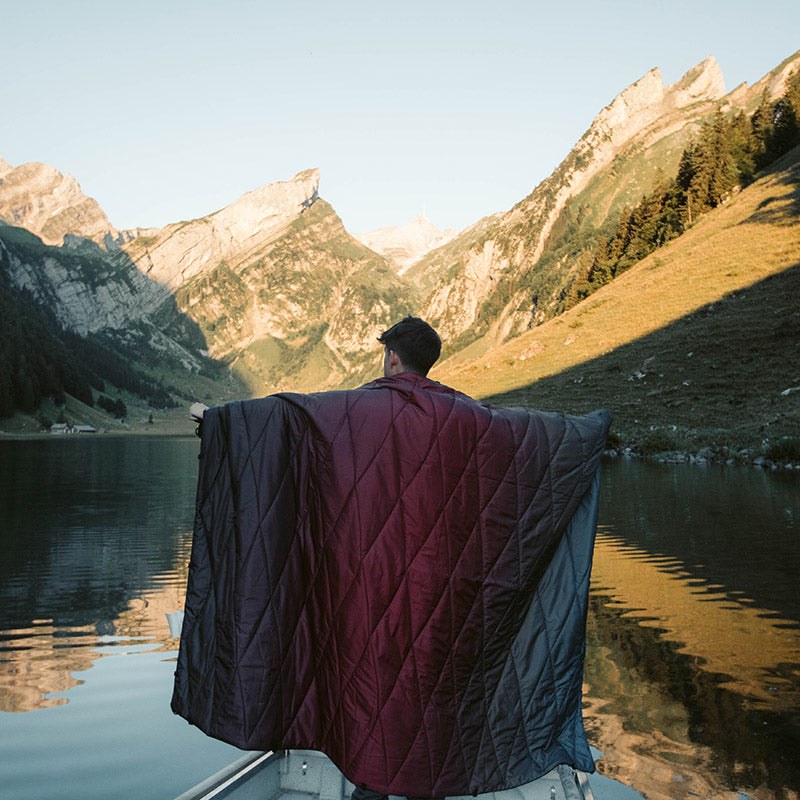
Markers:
point(693, 661)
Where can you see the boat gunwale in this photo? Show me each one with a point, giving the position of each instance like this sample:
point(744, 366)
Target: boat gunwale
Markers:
point(228, 777)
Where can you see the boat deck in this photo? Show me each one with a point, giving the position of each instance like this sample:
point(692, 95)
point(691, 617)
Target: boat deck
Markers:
point(310, 775)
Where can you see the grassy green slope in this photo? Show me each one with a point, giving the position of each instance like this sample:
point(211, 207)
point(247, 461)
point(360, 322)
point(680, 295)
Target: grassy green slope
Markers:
point(701, 338)
point(293, 314)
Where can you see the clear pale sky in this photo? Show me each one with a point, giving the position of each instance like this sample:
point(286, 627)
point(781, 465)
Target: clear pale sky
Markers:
point(166, 111)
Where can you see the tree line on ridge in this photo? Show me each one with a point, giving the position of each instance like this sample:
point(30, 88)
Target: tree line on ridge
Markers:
point(725, 156)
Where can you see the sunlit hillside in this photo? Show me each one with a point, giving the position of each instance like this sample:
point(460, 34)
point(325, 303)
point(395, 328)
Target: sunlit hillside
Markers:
point(699, 338)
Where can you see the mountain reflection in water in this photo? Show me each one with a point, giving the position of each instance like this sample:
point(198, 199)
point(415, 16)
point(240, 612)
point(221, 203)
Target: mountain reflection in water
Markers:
point(40, 660)
point(692, 682)
point(95, 541)
point(692, 688)
point(757, 652)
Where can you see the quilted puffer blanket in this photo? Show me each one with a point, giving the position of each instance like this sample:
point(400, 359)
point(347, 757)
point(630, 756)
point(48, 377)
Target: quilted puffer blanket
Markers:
point(397, 576)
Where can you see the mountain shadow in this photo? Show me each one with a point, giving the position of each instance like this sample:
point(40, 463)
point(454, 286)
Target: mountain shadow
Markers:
point(775, 210)
point(77, 316)
point(731, 370)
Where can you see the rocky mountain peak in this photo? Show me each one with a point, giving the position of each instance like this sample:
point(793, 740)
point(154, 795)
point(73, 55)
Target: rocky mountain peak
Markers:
point(634, 101)
point(640, 111)
point(773, 85)
point(39, 198)
point(406, 244)
point(647, 99)
point(263, 207)
point(182, 250)
point(642, 114)
point(702, 82)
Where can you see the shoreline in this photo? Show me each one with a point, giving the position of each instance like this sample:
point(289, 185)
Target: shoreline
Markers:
point(722, 455)
point(5, 436)
point(171, 423)
point(173, 429)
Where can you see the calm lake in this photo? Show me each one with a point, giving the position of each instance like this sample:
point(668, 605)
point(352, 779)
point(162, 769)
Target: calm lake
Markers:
point(693, 660)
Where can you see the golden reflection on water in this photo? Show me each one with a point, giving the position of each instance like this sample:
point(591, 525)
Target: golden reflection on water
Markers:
point(729, 634)
point(40, 660)
point(689, 692)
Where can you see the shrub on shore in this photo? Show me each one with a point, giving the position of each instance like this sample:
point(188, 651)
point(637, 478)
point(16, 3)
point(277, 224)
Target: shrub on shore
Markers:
point(786, 449)
point(657, 441)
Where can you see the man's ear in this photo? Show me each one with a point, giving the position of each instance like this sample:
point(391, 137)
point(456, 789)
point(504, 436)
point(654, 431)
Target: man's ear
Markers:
point(394, 362)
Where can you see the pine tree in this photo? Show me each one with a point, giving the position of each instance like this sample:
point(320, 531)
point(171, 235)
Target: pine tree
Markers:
point(761, 125)
point(786, 128)
point(743, 148)
point(6, 388)
point(715, 172)
point(603, 265)
point(683, 182)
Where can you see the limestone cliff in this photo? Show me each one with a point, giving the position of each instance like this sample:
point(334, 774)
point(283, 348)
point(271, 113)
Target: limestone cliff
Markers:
point(86, 289)
point(771, 86)
point(40, 199)
point(278, 287)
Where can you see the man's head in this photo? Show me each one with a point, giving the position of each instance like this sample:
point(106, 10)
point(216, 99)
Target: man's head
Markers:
point(411, 346)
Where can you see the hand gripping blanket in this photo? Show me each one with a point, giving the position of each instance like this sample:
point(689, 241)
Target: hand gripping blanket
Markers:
point(395, 575)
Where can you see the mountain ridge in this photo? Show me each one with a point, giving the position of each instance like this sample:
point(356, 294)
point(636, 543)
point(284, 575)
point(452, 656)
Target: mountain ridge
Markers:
point(175, 253)
point(274, 288)
point(218, 270)
point(50, 204)
point(645, 118)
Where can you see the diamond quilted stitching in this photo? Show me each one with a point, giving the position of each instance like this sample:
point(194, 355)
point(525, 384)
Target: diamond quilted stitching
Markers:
point(543, 481)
